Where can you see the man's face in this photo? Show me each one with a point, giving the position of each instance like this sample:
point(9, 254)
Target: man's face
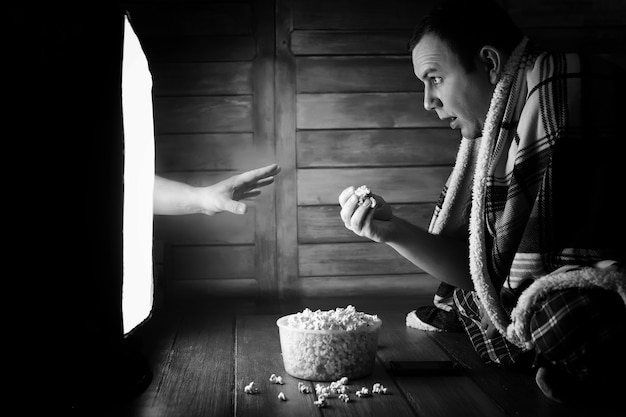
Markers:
point(456, 95)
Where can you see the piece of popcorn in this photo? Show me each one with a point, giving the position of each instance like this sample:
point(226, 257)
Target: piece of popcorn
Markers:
point(344, 397)
point(276, 379)
point(320, 403)
point(363, 392)
point(303, 388)
point(379, 388)
point(250, 388)
point(281, 396)
point(364, 193)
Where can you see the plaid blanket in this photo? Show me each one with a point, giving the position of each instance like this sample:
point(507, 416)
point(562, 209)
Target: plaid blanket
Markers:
point(546, 184)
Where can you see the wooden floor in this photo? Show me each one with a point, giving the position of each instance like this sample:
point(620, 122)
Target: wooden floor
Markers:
point(166, 344)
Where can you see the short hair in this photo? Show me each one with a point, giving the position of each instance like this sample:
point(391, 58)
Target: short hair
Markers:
point(468, 25)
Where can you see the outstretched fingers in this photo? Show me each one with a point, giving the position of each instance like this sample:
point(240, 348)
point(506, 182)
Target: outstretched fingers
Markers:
point(259, 175)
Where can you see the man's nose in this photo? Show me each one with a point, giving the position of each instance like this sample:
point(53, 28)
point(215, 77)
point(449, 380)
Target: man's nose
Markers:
point(431, 102)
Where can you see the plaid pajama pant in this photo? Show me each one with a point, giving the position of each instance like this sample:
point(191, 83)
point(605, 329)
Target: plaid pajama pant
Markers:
point(580, 331)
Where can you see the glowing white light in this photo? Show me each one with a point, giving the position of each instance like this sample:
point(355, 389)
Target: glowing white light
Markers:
point(137, 290)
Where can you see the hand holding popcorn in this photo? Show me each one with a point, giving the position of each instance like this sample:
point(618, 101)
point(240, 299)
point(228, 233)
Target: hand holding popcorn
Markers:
point(366, 214)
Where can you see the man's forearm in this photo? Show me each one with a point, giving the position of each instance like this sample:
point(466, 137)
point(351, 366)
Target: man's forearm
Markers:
point(173, 198)
point(442, 257)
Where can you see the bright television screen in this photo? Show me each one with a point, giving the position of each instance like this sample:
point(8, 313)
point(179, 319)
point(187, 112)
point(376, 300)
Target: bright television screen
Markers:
point(137, 289)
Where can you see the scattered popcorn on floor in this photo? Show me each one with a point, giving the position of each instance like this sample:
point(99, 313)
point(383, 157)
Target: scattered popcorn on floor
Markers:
point(336, 389)
point(379, 389)
point(320, 403)
point(363, 392)
point(276, 379)
point(250, 388)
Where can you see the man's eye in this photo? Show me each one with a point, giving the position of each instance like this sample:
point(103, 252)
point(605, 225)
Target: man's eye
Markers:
point(436, 80)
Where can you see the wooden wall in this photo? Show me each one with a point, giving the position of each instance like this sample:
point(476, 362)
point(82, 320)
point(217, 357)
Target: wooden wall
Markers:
point(212, 65)
point(353, 115)
point(326, 89)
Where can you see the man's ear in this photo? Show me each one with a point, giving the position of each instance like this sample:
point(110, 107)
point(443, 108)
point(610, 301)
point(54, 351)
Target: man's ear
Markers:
point(492, 61)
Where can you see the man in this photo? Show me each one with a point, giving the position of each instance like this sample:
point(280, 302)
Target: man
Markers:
point(527, 238)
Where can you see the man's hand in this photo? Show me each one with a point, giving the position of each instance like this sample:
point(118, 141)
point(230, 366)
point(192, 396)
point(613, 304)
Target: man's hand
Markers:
point(363, 219)
point(226, 195)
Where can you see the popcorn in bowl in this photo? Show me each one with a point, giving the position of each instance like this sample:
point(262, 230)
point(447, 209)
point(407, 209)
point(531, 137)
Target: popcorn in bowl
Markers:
point(327, 345)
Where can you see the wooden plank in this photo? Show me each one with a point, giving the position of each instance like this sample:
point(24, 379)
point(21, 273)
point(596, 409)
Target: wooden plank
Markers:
point(370, 14)
point(515, 391)
point(210, 262)
point(400, 343)
point(433, 395)
point(376, 147)
point(323, 224)
point(256, 365)
point(264, 137)
point(364, 110)
point(203, 151)
point(156, 340)
point(202, 114)
point(198, 48)
point(199, 361)
point(395, 185)
point(360, 258)
point(559, 13)
point(368, 285)
point(195, 292)
point(175, 18)
point(592, 40)
point(356, 74)
point(319, 42)
point(286, 182)
point(201, 78)
point(197, 229)
point(372, 304)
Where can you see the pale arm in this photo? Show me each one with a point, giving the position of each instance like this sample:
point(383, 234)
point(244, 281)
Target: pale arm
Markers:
point(177, 198)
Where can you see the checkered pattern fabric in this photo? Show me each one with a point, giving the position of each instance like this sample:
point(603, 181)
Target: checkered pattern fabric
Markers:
point(580, 331)
point(495, 350)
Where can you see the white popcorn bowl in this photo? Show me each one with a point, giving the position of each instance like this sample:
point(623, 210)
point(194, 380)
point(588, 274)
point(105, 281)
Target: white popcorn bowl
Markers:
point(328, 355)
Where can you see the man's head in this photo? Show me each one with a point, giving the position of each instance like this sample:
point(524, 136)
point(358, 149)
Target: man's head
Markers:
point(459, 51)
